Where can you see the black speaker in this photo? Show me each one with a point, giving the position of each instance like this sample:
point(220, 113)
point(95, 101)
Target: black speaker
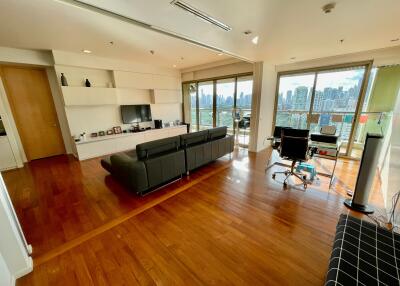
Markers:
point(157, 123)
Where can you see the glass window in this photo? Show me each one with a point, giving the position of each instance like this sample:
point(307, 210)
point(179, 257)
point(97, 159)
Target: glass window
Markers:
point(294, 98)
point(206, 103)
point(243, 105)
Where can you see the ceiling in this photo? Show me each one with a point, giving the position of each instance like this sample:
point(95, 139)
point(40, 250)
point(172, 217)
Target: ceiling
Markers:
point(288, 30)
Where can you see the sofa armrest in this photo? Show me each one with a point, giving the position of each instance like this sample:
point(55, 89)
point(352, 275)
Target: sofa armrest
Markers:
point(130, 171)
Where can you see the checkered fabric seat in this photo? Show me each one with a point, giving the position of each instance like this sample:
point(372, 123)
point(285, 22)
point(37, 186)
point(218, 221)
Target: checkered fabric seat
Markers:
point(363, 254)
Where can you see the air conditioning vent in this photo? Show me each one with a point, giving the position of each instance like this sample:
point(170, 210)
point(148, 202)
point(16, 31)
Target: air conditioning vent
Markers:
point(200, 14)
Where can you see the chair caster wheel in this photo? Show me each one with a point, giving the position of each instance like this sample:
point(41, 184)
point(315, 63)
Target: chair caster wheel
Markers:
point(286, 173)
point(305, 177)
point(284, 185)
point(305, 186)
point(273, 176)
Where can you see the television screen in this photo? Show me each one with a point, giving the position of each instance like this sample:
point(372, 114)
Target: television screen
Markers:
point(135, 113)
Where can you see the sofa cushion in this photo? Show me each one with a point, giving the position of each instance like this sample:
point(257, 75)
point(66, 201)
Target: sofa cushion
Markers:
point(154, 148)
point(217, 133)
point(194, 138)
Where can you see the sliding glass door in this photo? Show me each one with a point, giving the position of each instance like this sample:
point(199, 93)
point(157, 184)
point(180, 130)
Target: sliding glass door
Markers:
point(206, 103)
point(214, 102)
point(225, 103)
point(243, 106)
point(323, 97)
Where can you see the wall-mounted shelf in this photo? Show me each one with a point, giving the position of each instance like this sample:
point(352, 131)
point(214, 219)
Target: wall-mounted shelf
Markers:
point(78, 96)
point(166, 96)
point(133, 96)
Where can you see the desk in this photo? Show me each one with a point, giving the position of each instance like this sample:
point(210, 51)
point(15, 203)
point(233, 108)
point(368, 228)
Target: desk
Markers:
point(327, 151)
point(322, 150)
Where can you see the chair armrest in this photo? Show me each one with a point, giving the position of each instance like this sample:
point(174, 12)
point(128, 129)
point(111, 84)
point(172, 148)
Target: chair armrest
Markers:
point(131, 171)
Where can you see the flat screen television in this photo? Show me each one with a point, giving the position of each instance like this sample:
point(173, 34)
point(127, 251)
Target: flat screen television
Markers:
point(135, 113)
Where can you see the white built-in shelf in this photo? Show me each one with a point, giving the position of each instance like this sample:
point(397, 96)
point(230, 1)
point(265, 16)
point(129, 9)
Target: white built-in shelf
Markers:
point(77, 96)
point(92, 96)
point(166, 96)
point(133, 96)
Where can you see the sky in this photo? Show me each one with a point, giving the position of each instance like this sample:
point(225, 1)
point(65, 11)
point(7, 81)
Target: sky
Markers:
point(347, 79)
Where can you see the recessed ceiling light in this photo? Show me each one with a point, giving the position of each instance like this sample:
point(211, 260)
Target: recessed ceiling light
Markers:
point(255, 40)
point(395, 40)
point(174, 66)
point(220, 54)
point(87, 51)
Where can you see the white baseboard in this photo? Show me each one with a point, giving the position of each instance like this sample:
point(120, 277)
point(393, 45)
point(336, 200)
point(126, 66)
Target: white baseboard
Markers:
point(24, 271)
point(12, 281)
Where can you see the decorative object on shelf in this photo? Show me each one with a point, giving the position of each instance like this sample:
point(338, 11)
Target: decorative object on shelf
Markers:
point(82, 136)
point(87, 83)
point(110, 132)
point(102, 133)
point(94, 134)
point(63, 80)
point(117, 130)
point(166, 124)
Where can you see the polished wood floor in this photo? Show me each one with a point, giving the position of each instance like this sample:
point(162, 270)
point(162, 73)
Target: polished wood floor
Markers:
point(228, 223)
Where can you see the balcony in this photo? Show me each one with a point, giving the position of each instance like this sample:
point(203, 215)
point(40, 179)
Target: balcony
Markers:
point(223, 118)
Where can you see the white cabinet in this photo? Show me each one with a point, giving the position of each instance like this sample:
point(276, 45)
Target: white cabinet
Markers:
point(7, 160)
point(100, 146)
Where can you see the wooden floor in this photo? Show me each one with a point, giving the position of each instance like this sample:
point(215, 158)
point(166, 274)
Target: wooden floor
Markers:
point(227, 223)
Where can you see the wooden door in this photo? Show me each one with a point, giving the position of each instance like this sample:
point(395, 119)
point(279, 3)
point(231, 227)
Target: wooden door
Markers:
point(32, 105)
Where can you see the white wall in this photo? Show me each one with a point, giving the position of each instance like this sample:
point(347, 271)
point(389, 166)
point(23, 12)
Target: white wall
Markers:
point(5, 275)
point(217, 69)
point(266, 106)
point(21, 56)
point(12, 249)
point(387, 56)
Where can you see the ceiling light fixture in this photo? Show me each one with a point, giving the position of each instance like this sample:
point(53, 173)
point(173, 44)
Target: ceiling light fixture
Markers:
point(293, 58)
point(87, 51)
point(247, 32)
point(174, 66)
point(200, 14)
point(255, 40)
point(328, 7)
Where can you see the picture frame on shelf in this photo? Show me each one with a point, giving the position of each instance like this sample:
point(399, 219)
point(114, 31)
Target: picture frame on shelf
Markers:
point(110, 132)
point(93, 135)
point(102, 133)
point(117, 130)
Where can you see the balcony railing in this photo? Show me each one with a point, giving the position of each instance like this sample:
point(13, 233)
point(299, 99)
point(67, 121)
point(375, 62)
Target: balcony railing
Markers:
point(223, 118)
point(376, 122)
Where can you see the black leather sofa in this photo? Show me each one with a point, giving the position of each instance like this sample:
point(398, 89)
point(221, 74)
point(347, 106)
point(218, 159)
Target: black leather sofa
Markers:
point(155, 163)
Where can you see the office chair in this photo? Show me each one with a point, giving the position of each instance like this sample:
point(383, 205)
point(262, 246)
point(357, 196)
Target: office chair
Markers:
point(275, 143)
point(293, 147)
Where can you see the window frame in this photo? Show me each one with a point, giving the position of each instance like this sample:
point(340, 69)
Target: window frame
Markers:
point(368, 67)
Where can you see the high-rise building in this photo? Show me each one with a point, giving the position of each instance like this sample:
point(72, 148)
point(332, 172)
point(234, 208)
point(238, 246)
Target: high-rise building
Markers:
point(289, 99)
point(300, 98)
